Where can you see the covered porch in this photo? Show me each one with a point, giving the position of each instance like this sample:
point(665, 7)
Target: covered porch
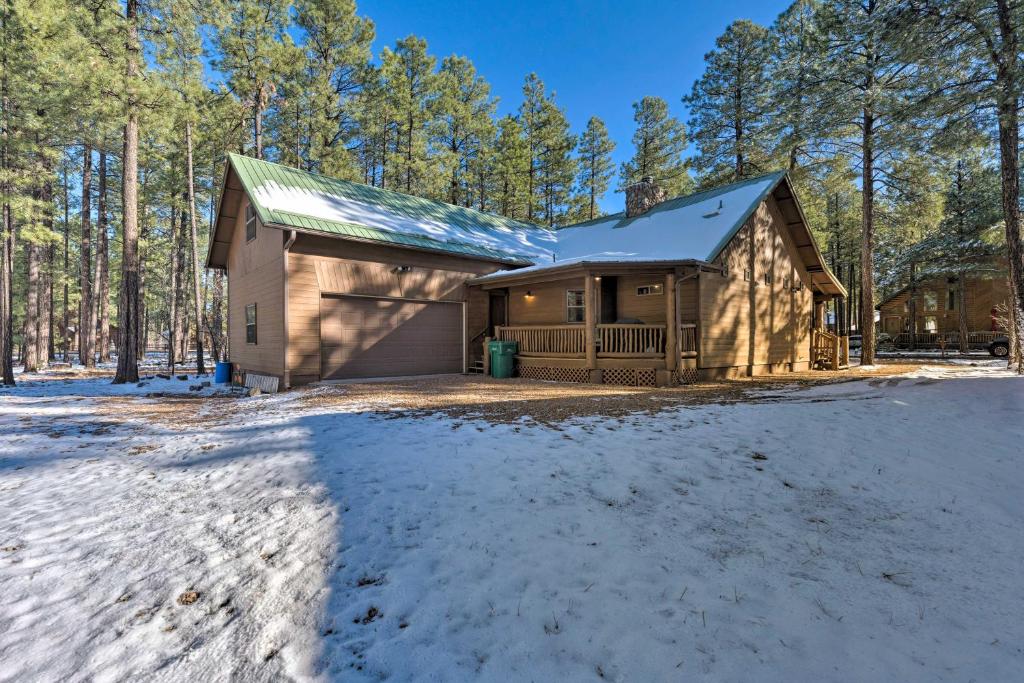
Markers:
point(614, 324)
point(644, 324)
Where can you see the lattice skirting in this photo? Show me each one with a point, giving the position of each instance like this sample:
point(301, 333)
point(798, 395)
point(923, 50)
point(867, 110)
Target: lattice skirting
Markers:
point(688, 375)
point(554, 374)
point(635, 377)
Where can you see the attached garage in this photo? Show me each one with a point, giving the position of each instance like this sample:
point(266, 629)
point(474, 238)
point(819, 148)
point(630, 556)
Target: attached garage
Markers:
point(363, 336)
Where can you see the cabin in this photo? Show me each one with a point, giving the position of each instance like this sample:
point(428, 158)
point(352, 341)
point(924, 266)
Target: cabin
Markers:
point(927, 313)
point(329, 279)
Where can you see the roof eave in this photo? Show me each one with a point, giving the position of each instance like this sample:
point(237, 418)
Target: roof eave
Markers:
point(439, 250)
point(216, 223)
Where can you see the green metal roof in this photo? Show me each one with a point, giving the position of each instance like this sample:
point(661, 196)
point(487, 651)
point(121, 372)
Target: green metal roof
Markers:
point(468, 227)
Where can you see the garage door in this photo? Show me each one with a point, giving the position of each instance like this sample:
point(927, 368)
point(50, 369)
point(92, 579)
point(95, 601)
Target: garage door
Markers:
point(366, 337)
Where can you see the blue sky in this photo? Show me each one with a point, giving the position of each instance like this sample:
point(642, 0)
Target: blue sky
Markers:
point(599, 56)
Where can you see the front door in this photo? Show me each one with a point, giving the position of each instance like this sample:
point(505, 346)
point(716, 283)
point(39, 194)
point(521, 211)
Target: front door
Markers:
point(497, 312)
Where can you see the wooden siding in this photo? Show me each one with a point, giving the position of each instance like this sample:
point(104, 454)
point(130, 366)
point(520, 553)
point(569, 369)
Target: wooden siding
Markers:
point(544, 306)
point(256, 276)
point(750, 322)
point(688, 301)
point(982, 295)
point(318, 265)
point(651, 308)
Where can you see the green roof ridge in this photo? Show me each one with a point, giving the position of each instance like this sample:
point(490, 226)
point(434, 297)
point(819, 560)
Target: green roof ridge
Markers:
point(363, 190)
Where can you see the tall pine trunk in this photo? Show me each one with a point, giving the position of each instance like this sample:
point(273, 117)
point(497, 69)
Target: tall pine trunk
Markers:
point(30, 327)
point(85, 326)
point(1009, 144)
point(6, 228)
point(128, 308)
point(172, 290)
point(196, 279)
point(867, 301)
point(142, 313)
point(46, 308)
point(6, 298)
point(65, 311)
point(180, 294)
point(102, 285)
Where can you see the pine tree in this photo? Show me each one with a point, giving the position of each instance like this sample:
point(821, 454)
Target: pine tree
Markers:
point(128, 305)
point(866, 80)
point(658, 145)
point(257, 54)
point(595, 163)
point(464, 122)
point(411, 87)
point(511, 196)
point(975, 58)
point(86, 328)
point(101, 289)
point(551, 168)
point(793, 71)
point(337, 49)
point(729, 105)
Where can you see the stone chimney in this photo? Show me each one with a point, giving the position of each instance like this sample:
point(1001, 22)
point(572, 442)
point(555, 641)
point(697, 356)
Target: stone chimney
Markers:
point(640, 197)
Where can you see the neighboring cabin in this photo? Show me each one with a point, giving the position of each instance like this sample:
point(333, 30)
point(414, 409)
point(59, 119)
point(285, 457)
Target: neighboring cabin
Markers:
point(930, 310)
point(329, 279)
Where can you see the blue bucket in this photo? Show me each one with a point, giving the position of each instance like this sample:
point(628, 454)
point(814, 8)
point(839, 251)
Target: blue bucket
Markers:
point(222, 373)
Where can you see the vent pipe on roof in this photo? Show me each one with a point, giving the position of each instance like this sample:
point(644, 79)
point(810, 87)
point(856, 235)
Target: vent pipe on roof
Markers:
point(640, 197)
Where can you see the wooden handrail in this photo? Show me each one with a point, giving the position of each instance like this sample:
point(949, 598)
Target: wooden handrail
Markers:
point(612, 340)
point(545, 340)
point(630, 341)
point(688, 340)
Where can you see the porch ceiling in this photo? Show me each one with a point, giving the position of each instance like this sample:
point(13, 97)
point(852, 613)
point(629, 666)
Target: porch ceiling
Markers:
point(559, 271)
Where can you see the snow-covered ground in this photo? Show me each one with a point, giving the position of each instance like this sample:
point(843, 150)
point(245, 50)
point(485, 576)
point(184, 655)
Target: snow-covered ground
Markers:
point(864, 531)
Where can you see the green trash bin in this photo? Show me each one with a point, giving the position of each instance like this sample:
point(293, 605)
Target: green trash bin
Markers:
point(502, 358)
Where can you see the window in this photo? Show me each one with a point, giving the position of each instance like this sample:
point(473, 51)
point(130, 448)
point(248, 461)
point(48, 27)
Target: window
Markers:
point(250, 223)
point(931, 323)
point(250, 324)
point(785, 282)
point(951, 300)
point(931, 300)
point(767, 278)
point(746, 274)
point(650, 290)
point(575, 306)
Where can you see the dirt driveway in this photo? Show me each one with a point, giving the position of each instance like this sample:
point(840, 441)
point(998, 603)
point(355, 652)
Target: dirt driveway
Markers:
point(513, 400)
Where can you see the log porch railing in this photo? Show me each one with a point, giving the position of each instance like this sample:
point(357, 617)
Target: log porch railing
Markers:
point(612, 340)
point(951, 339)
point(688, 340)
point(630, 341)
point(546, 340)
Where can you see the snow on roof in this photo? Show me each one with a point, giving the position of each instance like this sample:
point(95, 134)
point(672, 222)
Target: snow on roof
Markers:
point(304, 200)
point(533, 243)
point(690, 228)
point(694, 227)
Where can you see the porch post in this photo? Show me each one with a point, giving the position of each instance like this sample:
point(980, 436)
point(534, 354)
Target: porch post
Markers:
point(671, 324)
point(589, 322)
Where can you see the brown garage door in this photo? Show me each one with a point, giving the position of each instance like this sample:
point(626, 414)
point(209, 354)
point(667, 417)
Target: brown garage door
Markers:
point(366, 337)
